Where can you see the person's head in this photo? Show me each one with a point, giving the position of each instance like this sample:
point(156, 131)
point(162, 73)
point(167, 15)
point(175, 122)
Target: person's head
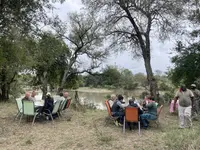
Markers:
point(131, 102)
point(120, 97)
point(48, 94)
point(27, 95)
point(193, 86)
point(61, 94)
point(133, 98)
point(66, 94)
point(113, 97)
point(33, 94)
point(183, 87)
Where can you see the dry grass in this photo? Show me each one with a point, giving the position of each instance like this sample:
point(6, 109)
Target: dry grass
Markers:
point(88, 131)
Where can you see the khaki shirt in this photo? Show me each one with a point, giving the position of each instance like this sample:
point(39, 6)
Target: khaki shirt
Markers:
point(196, 94)
point(184, 97)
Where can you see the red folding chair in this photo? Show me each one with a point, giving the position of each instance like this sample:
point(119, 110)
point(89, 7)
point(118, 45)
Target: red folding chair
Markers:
point(131, 115)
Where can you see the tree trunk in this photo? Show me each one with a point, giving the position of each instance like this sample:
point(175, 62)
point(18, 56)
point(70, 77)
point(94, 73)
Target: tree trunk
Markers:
point(44, 85)
point(150, 77)
point(4, 86)
point(4, 92)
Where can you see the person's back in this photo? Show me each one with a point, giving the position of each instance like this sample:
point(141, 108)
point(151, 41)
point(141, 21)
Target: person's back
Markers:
point(115, 107)
point(48, 103)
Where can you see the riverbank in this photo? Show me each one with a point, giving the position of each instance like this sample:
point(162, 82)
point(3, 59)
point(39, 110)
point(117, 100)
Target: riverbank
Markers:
point(88, 131)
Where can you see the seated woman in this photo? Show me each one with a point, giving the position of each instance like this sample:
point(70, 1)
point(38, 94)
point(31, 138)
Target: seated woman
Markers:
point(48, 104)
point(118, 110)
point(150, 114)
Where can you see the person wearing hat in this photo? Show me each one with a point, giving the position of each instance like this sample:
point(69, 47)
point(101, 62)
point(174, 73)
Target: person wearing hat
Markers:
point(195, 109)
point(48, 104)
point(185, 97)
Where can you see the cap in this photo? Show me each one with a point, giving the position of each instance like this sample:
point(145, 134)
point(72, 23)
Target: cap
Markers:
point(193, 85)
point(48, 93)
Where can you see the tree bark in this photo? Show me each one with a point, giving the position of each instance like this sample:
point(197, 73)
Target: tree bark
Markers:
point(44, 85)
point(5, 92)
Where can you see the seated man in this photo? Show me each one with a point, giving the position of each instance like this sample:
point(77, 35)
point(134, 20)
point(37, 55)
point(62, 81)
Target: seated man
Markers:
point(118, 110)
point(150, 114)
point(27, 96)
point(112, 99)
point(133, 104)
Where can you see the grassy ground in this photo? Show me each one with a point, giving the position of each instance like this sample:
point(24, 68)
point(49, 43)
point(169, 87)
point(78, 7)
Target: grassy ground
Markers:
point(88, 131)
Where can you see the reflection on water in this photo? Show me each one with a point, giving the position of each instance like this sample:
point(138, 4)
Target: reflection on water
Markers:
point(98, 98)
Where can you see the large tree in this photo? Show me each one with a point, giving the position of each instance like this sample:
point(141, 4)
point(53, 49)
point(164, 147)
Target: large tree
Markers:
point(19, 19)
point(84, 40)
point(47, 57)
point(133, 23)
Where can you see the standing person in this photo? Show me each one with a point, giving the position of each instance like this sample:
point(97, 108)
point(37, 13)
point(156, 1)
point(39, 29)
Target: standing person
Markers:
point(185, 97)
point(195, 109)
point(118, 110)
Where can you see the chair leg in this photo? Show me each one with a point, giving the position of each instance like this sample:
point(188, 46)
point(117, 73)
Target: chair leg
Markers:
point(20, 118)
point(33, 119)
point(16, 116)
point(124, 125)
point(52, 118)
point(138, 127)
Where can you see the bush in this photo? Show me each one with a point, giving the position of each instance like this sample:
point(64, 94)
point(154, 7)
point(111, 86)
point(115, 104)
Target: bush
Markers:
point(145, 93)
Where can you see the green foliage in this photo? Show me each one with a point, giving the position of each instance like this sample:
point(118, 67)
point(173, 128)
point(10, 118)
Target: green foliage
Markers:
point(112, 78)
point(187, 64)
point(145, 93)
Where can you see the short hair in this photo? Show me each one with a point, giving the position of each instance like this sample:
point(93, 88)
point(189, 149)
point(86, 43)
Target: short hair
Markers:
point(61, 94)
point(120, 97)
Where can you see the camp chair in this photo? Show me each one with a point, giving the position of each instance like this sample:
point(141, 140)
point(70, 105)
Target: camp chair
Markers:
point(62, 106)
point(156, 121)
point(68, 103)
point(19, 107)
point(55, 110)
point(29, 110)
point(131, 115)
point(109, 111)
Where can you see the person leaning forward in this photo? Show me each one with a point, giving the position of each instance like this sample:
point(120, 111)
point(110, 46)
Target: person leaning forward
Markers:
point(118, 109)
point(185, 97)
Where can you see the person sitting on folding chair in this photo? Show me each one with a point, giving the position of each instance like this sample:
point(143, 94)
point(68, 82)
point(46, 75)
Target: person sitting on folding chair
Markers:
point(150, 114)
point(48, 104)
point(118, 110)
point(133, 104)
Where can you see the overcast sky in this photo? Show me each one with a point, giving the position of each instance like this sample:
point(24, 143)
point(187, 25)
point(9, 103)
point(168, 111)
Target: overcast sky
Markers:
point(160, 51)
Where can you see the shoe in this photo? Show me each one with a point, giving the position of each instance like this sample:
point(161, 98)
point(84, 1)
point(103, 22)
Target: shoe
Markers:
point(47, 117)
point(145, 127)
point(116, 123)
point(121, 125)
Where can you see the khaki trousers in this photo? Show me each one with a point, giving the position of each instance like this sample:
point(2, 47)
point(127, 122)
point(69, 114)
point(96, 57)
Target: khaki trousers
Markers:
point(184, 114)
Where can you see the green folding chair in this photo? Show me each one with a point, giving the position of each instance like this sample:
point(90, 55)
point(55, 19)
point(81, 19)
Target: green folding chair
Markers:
point(55, 110)
point(62, 106)
point(29, 110)
point(19, 107)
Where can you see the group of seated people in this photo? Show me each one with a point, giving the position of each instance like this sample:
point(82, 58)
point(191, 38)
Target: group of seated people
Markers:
point(147, 109)
point(48, 102)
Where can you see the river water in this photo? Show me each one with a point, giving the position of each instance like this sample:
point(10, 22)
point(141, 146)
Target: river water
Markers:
point(96, 97)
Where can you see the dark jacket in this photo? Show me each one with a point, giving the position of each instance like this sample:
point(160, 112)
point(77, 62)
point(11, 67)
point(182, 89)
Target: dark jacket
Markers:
point(117, 107)
point(48, 104)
